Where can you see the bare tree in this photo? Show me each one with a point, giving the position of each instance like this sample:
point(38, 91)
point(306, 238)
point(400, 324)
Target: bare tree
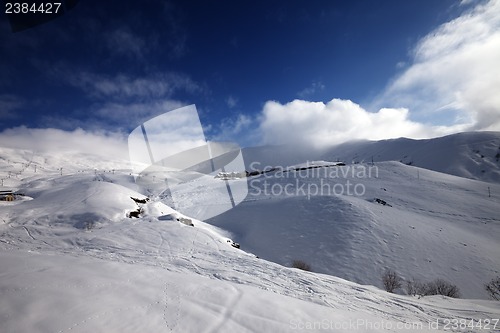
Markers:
point(410, 287)
point(493, 288)
point(436, 287)
point(391, 280)
point(442, 287)
point(414, 287)
point(301, 265)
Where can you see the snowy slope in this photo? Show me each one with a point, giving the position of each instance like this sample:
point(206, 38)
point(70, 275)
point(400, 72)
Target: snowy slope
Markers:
point(71, 261)
point(474, 155)
point(157, 275)
point(439, 226)
point(471, 154)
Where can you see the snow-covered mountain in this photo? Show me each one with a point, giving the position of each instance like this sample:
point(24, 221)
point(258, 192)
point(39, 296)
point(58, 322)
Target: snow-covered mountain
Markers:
point(474, 155)
point(433, 225)
point(72, 261)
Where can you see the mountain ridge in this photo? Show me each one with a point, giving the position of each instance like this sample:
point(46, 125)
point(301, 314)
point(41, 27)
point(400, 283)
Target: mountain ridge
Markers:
point(464, 154)
point(67, 245)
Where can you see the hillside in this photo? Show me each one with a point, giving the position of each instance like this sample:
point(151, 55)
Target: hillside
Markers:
point(474, 155)
point(157, 275)
point(437, 225)
point(72, 261)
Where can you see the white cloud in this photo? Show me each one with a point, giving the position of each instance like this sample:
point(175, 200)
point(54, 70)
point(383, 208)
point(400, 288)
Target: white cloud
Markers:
point(455, 74)
point(106, 144)
point(319, 124)
point(133, 114)
point(8, 105)
point(113, 116)
point(311, 90)
point(450, 85)
point(238, 125)
point(236, 129)
point(466, 2)
point(231, 102)
point(122, 100)
point(125, 86)
point(124, 42)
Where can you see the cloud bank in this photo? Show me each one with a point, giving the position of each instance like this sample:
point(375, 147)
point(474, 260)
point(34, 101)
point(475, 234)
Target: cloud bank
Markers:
point(109, 145)
point(122, 101)
point(320, 124)
point(125, 87)
point(455, 74)
point(451, 85)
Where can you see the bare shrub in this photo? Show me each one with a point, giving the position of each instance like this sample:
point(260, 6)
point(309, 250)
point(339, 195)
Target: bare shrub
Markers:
point(410, 287)
point(301, 265)
point(391, 280)
point(442, 287)
point(493, 288)
point(436, 287)
point(414, 287)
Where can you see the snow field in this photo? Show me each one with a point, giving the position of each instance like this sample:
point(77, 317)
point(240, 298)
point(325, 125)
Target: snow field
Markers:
point(70, 261)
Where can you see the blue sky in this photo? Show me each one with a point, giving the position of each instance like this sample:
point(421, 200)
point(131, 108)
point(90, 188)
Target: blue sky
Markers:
point(258, 71)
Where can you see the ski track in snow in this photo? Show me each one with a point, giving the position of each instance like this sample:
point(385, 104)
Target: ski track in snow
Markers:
point(172, 305)
point(130, 275)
